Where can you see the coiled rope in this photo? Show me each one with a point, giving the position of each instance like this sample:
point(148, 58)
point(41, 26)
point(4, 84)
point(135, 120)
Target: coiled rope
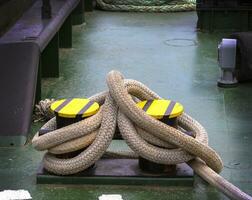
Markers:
point(141, 132)
point(147, 5)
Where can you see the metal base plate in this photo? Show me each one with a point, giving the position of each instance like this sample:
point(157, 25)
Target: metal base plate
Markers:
point(227, 84)
point(120, 172)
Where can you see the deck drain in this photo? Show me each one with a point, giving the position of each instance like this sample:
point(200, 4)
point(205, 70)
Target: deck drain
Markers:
point(237, 165)
point(176, 42)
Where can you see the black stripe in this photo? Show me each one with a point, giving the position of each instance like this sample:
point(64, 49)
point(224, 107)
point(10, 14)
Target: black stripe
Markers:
point(67, 101)
point(85, 108)
point(170, 108)
point(147, 105)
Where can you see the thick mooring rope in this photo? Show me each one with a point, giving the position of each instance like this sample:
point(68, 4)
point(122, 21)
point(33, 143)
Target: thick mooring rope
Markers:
point(141, 132)
point(147, 5)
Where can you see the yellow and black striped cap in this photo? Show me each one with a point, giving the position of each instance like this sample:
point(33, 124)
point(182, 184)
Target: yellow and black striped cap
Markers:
point(76, 107)
point(160, 108)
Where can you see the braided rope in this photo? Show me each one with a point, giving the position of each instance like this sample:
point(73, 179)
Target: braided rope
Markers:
point(41, 111)
point(147, 5)
point(140, 131)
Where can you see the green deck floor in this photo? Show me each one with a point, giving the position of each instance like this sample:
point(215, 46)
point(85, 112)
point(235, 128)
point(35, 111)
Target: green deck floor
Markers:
point(165, 52)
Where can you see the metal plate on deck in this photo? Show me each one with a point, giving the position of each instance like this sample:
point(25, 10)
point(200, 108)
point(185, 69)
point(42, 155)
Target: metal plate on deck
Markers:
point(113, 171)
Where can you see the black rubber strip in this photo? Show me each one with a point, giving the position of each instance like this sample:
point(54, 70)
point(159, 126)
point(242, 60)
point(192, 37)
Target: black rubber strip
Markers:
point(147, 105)
point(170, 108)
point(85, 108)
point(67, 101)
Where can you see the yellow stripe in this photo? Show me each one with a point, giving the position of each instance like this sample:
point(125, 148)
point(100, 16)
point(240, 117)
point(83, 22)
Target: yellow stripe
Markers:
point(177, 110)
point(73, 108)
point(56, 104)
point(91, 110)
point(141, 104)
point(158, 108)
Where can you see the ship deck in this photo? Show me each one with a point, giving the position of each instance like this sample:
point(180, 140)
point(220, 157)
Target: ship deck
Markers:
point(165, 52)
